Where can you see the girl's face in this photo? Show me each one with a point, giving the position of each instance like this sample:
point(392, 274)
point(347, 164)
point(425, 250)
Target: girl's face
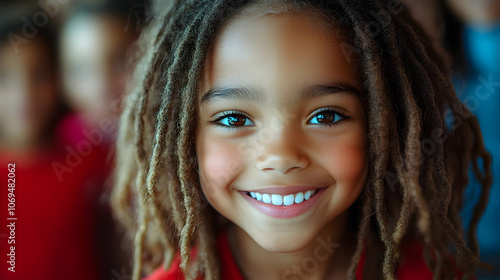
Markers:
point(28, 93)
point(280, 120)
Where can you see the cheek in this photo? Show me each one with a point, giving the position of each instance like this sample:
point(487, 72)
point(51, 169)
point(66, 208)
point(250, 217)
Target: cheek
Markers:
point(219, 164)
point(345, 160)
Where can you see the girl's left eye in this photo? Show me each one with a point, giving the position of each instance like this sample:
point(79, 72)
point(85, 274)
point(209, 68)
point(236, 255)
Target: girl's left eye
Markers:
point(326, 117)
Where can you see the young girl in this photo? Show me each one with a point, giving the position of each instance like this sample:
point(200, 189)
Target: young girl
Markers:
point(296, 140)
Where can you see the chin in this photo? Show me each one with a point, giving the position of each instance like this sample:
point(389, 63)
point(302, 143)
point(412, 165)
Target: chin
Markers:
point(283, 242)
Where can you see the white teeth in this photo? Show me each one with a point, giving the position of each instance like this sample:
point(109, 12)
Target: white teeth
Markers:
point(277, 199)
point(258, 196)
point(299, 197)
point(307, 195)
point(286, 200)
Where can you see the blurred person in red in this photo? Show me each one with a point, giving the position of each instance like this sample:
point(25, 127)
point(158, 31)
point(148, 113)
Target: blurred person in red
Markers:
point(96, 40)
point(48, 185)
point(96, 44)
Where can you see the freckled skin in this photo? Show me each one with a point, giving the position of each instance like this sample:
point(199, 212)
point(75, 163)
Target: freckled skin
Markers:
point(279, 55)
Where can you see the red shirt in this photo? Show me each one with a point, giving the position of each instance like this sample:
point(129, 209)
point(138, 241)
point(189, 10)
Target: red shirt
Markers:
point(413, 266)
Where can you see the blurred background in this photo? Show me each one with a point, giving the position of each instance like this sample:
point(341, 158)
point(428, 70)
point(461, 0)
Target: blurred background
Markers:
point(64, 66)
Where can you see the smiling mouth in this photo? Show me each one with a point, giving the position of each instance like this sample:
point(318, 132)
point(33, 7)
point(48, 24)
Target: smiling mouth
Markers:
point(287, 200)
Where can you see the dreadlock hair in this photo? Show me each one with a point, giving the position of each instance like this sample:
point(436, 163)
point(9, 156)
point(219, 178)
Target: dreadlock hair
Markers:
point(421, 140)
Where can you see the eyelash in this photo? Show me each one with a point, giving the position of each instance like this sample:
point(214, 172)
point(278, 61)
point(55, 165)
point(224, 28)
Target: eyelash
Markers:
point(328, 110)
point(223, 115)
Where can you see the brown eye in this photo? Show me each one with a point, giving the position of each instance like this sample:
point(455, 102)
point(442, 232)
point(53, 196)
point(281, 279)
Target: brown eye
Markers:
point(326, 117)
point(233, 120)
point(236, 120)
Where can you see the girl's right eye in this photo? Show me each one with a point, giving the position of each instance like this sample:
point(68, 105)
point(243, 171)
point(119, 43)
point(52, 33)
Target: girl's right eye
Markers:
point(232, 120)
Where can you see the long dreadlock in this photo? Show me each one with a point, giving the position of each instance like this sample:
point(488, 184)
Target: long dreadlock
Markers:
point(409, 100)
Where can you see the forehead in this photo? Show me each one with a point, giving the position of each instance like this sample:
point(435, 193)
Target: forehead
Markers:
point(277, 50)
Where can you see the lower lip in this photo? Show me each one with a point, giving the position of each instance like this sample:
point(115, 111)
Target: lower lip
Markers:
point(284, 211)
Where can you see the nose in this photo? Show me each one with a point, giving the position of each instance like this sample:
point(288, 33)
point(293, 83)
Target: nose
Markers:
point(283, 153)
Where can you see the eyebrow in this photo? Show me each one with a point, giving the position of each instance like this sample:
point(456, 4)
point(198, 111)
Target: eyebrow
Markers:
point(340, 87)
point(253, 94)
point(241, 93)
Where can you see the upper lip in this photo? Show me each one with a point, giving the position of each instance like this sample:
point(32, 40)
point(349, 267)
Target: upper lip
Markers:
point(284, 190)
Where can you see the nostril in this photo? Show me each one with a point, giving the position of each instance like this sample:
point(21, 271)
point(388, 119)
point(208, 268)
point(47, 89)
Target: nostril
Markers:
point(283, 170)
point(282, 164)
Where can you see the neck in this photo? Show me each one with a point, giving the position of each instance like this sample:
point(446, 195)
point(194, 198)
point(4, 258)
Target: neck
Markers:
point(326, 257)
